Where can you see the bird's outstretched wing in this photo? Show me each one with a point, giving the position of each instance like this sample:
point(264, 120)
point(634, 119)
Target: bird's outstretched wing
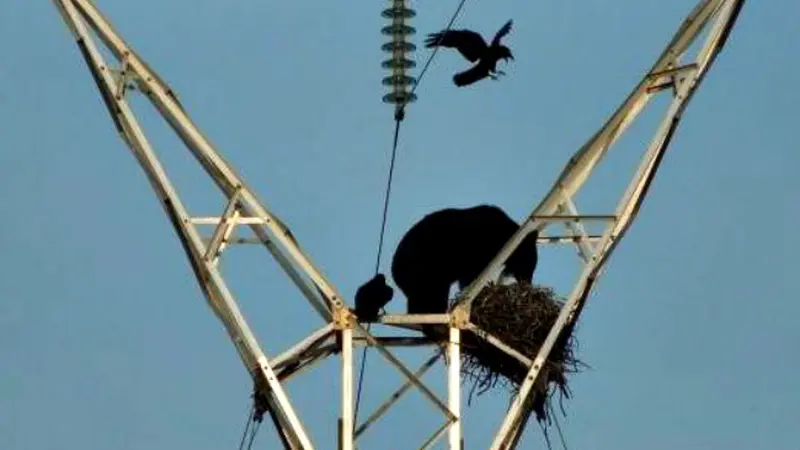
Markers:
point(471, 75)
point(469, 43)
point(502, 32)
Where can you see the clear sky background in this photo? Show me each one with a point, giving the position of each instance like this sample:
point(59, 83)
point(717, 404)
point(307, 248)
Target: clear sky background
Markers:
point(105, 339)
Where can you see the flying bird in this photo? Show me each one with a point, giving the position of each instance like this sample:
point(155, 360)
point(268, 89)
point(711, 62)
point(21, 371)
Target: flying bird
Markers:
point(472, 47)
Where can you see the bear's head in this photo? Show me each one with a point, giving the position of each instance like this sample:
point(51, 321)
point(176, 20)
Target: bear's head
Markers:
point(522, 262)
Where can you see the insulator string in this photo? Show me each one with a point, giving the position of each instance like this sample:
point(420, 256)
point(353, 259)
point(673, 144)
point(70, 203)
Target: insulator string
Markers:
point(400, 62)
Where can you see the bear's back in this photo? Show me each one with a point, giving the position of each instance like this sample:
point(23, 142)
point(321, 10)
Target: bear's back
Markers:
point(459, 238)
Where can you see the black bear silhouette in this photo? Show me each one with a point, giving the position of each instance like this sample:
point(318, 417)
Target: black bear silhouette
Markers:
point(455, 245)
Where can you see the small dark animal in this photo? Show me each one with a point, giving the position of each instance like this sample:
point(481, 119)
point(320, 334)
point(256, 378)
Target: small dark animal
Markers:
point(455, 245)
point(472, 47)
point(371, 297)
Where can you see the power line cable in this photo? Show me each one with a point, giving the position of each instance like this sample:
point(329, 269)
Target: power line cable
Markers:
point(399, 116)
point(247, 428)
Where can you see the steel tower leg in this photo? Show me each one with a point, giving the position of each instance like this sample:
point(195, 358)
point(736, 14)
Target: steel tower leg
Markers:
point(715, 16)
point(81, 16)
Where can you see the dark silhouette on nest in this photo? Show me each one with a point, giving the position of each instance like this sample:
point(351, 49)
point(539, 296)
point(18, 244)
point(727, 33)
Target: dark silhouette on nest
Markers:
point(472, 47)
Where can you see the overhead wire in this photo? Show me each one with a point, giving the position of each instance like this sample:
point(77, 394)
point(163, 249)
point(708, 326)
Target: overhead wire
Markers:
point(398, 118)
point(253, 432)
point(387, 193)
point(247, 426)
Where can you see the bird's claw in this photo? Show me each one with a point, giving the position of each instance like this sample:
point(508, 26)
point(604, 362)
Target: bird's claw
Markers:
point(496, 74)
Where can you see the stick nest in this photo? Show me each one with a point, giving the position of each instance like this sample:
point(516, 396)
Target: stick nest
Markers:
point(521, 316)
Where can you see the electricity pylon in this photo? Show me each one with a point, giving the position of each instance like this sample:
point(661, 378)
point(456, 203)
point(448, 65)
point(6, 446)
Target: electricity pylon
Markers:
point(673, 72)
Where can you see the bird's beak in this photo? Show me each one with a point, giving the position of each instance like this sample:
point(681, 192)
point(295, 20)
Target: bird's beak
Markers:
point(511, 57)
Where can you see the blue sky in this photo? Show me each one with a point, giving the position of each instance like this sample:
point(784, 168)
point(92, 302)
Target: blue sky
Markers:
point(105, 338)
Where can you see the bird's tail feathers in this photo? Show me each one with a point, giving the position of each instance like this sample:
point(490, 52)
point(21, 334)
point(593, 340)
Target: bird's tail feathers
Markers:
point(469, 76)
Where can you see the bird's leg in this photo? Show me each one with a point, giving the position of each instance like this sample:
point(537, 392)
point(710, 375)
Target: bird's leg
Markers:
point(495, 74)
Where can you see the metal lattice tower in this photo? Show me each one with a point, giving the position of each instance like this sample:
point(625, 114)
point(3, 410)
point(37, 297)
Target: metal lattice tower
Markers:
point(674, 72)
